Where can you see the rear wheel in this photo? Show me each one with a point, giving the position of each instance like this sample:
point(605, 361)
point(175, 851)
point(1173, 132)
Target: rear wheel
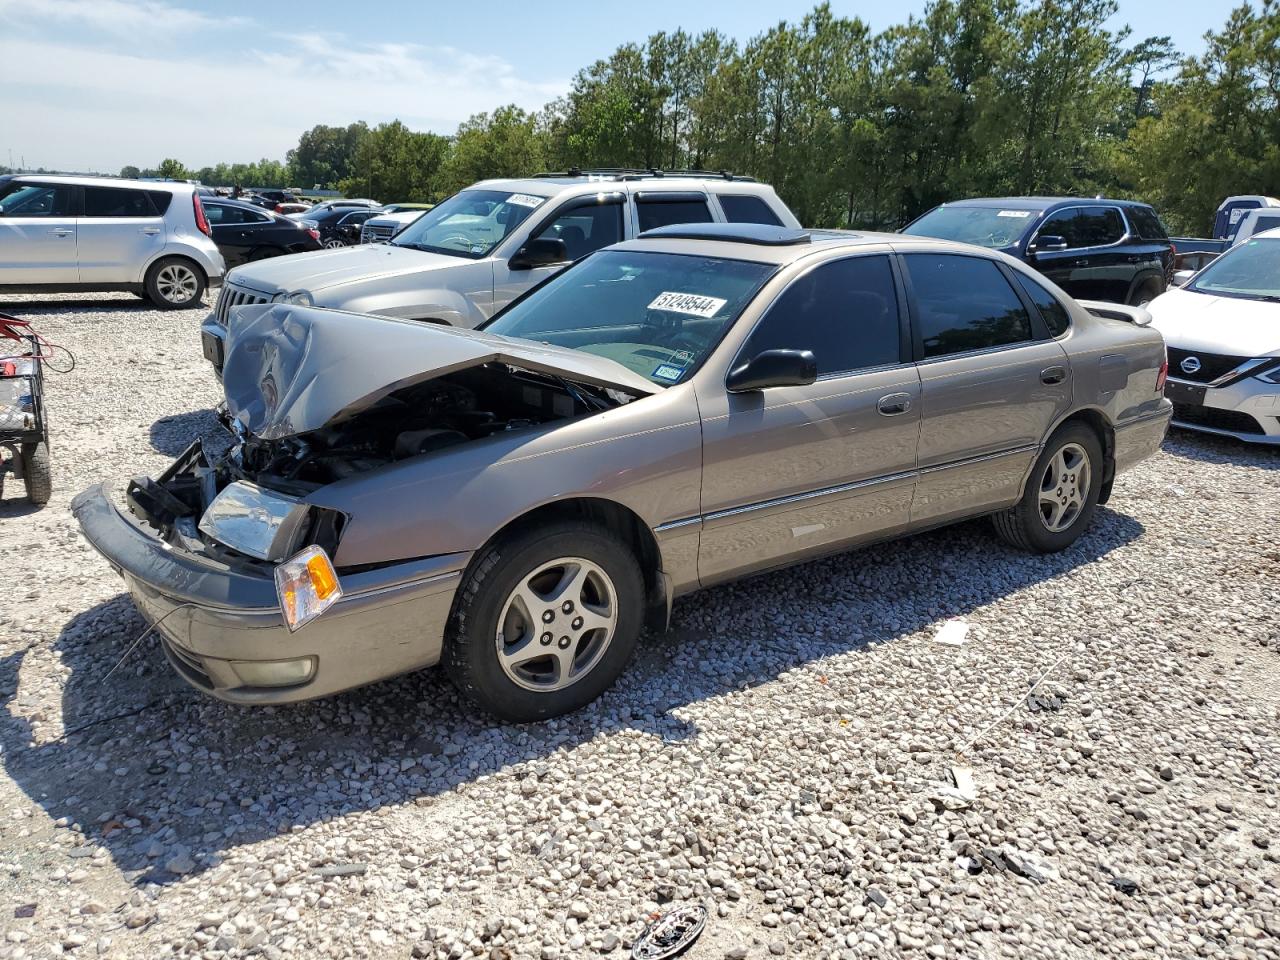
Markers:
point(174, 283)
point(1147, 291)
point(333, 244)
point(37, 472)
point(1061, 493)
point(546, 621)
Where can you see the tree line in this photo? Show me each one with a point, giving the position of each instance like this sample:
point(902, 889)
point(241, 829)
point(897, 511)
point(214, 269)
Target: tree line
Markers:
point(868, 130)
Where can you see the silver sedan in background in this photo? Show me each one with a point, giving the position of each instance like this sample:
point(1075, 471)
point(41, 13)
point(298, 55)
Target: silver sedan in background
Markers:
point(699, 404)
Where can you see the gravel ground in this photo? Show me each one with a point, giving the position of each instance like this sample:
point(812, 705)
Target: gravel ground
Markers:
point(777, 756)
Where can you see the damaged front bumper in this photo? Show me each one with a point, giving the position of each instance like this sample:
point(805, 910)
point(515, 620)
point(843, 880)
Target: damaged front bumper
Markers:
point(224, 633)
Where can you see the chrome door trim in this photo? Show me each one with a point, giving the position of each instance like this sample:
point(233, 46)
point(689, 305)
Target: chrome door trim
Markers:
point(969, 461)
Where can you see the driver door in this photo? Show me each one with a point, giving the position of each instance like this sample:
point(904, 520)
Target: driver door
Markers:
point(38, 234)
point(583, 225)
point(790, 472)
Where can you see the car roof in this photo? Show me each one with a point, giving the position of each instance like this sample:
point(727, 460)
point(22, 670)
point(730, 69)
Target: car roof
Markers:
point(176, 186)
point(752, 242)
point(1038, 203)
point(554, 185)
point(1272, 234)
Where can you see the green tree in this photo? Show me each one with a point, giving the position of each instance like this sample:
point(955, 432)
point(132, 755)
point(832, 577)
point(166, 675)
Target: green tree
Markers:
point(130, 173)
point(171, 169)
point(506, 143)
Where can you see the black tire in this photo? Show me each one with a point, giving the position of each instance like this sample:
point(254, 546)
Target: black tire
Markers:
point(470, 654)
point(37, 472)
point(1024, 525)
point(1146, 291)
point(163, 288)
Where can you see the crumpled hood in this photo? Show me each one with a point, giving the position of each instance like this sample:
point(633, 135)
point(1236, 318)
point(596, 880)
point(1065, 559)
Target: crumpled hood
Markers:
point(291, 369)
point(321, 269)
point(1232, 326)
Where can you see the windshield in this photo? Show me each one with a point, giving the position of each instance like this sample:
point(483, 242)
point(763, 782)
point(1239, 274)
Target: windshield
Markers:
point(981, 226)
point(657, 314)
point(470, 223)
point(1250, 271)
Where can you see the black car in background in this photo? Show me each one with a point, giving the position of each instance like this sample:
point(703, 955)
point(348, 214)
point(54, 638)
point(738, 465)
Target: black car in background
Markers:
point(245, 232)
point(1098, 249)
point(338, 226)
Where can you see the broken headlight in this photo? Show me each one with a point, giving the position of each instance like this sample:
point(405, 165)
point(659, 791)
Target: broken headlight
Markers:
point(254, 521)
point(301, 297)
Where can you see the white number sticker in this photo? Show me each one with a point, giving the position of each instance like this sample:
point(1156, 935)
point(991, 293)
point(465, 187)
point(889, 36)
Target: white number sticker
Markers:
point(1016, 214)
point(690, 303)
point(525, 199)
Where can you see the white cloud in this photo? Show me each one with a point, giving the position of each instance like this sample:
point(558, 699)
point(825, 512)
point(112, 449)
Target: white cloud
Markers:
point(221, 95)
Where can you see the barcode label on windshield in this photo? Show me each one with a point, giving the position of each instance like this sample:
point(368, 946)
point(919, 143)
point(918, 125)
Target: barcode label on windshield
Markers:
point(1016, 214)
point(690, 303)
point(525, 199)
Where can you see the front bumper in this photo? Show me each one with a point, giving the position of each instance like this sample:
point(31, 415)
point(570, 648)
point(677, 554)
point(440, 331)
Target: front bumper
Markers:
point(1247, 410)
point(214, 620)
point(213, 341)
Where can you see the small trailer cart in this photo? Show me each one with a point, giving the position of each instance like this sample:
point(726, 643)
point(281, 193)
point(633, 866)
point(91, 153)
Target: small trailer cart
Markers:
point(24, 433)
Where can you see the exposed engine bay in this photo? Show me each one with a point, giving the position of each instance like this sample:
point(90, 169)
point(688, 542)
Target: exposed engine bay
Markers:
point(418, 420)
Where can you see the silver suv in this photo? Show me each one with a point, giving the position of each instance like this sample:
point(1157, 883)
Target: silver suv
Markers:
point(466, 258)
point(102, 233)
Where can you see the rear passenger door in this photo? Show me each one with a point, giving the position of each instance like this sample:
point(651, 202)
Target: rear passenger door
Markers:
point(791, 471)
point(37, 233)
point(120, 231)
point(992, 384)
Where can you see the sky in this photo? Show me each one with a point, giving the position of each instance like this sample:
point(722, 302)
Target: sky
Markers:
point(97, 84)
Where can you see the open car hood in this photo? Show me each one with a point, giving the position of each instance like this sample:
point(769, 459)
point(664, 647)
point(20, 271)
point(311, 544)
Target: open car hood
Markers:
point(292, 369)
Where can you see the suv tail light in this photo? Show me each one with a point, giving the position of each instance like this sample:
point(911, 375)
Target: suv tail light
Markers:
point(1162, 375)
point(202, 222)
point(315, 234)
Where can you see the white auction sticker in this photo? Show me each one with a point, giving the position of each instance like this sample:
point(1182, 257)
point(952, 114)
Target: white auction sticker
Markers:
point(1016, 214)
point(525, 199)
point(690, 303)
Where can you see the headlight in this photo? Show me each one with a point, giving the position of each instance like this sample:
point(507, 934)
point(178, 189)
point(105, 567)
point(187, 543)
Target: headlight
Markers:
point(300, 297)
point(254, 521)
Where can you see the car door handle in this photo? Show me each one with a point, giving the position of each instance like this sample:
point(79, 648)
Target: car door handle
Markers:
point(894, 404)
point(1052, 375)
point(150, 231)
point(1082, 262)
point(62, 231)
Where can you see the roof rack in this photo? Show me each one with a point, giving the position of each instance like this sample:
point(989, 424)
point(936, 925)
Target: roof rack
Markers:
point(644, 173)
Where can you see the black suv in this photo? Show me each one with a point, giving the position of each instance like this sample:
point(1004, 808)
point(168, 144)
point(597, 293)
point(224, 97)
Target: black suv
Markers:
point(1099, 249)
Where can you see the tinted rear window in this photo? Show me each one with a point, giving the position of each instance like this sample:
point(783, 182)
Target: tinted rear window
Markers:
point(964, 303)
point(1051, 309)
point(1146, 223)
point(658, 213)
point(746, 209)
point(118, 202)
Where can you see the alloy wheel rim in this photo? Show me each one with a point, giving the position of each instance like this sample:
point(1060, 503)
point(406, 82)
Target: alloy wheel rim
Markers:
point(557, 624)
point(1064, 487)
point(334, 244)
point(176, 283)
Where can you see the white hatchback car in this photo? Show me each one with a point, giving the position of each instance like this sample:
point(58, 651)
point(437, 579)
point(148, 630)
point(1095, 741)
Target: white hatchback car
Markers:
point(1222, 331)
point(60, 234)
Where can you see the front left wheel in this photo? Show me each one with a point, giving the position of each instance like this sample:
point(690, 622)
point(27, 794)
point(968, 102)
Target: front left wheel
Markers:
point(174, 283)
point(546, 621)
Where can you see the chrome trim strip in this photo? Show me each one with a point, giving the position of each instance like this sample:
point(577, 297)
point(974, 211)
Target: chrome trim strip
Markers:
point(810, 495)
point(406, 585)
point(967, 461)
point(1145, 418)
point(1231, 374)
point(676, 524)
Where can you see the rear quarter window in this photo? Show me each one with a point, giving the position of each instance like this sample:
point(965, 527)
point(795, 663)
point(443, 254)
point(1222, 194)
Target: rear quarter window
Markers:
point(1055, 315)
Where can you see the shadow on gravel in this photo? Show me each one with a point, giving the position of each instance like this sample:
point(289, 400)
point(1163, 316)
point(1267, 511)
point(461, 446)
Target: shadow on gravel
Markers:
point(1211, 448)
point(104, 303)
point(172, 435)
point(169, 780)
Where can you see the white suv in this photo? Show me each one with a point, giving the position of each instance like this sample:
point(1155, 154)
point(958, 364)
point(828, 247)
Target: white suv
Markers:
point(469, 256)
point(101, 233)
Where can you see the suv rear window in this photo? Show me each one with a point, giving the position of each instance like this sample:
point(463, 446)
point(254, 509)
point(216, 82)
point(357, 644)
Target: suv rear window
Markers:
point(740, 208)
point(118, 202)
point(1146, 223)
point(656, 211)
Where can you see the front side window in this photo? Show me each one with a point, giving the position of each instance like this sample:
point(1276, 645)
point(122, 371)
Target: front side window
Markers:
point(356, 218)
point(469, 224)
point(1051, 309)
point(846, 312)
point(659, 211)
point(658, 314)
point(1064, 224)
point(24, 200)
point(963, 304)
point(992, 227)
point(1249, 271)
point(747, 209)
point(117, 202)
point(585, 229)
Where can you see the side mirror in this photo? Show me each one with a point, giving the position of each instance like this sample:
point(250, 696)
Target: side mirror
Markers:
point(542, 252)
point(1180, 277)
point(773, 368)
point(1049, 243)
